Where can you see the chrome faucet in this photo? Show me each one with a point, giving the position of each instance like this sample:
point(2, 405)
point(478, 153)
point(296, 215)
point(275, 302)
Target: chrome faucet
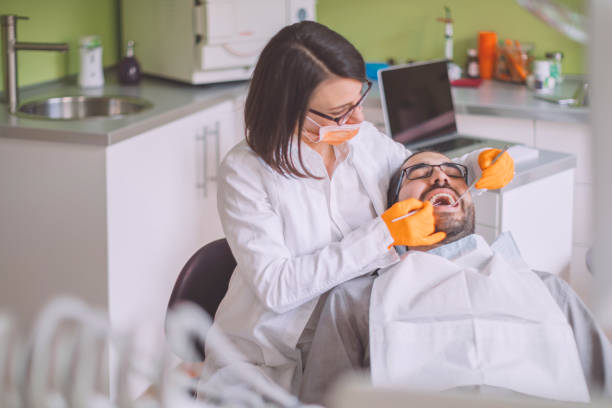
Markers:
point(10, 46)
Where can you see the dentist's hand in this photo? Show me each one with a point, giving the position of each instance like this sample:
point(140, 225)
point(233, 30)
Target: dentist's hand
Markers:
point(415, 230)
point(495, 175)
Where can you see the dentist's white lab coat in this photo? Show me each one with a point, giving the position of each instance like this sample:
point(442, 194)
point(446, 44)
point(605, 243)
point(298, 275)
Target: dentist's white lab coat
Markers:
point(280, 230)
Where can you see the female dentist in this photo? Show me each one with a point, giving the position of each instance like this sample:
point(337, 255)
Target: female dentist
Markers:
point(302, 200)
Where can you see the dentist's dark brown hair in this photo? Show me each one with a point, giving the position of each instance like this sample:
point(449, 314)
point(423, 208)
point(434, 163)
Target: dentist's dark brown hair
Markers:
point(297, 59)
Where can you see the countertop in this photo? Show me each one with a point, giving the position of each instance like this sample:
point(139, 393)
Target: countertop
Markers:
point(495, 98)
point(527, 170)
point(173, 100)
point(511, 100)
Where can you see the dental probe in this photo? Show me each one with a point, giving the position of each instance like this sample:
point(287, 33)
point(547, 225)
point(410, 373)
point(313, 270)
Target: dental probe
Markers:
point(462, 195)
point(475, 181)
point(404, 216)
point(410, 213)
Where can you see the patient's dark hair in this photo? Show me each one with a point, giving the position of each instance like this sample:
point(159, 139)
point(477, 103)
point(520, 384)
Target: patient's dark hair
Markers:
point(395, 183)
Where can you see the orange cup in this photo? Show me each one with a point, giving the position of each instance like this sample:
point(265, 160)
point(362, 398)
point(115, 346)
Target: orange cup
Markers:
point(487, 49)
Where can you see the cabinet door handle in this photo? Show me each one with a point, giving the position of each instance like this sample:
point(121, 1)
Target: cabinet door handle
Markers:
point(217, 134)
point(203, 138)
point(206, 132)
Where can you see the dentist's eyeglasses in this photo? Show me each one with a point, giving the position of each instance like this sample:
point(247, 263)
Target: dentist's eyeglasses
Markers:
point(424, 170)
point(341, 120)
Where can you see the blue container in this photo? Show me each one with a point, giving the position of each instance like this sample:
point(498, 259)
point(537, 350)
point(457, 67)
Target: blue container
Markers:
point(372, 69)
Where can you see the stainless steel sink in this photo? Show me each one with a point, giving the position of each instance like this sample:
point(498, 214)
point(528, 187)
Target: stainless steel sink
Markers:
point(82, 107)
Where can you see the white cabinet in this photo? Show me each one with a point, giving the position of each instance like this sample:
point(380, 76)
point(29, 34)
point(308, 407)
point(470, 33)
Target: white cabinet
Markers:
point(544, 242)
point(52, 224)
point(113, 225)
point(162, 207)
point(574, 138)
point(567, 137)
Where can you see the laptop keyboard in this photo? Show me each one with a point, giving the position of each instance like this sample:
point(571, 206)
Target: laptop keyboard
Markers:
point(449, 145)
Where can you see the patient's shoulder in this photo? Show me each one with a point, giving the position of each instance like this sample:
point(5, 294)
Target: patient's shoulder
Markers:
point(560, 290)
point(552, 281)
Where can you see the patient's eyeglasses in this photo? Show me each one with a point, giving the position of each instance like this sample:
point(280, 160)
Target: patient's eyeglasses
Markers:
point(341, 120)
point(424, 170)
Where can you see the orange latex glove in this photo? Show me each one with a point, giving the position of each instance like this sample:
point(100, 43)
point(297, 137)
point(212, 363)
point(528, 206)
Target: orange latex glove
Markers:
point(415, 230)
point(495, 175)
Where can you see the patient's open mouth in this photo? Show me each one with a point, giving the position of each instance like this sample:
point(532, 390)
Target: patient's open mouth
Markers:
point(442, 199)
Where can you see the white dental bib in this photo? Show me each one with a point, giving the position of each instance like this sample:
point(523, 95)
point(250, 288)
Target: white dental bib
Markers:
point(467, 314)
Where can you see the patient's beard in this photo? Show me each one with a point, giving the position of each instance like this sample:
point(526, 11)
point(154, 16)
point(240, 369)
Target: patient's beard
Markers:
point(456, 225)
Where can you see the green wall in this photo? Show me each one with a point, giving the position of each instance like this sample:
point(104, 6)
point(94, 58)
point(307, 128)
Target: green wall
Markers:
point(408, 30)
point(402, 29)
point(61, 21)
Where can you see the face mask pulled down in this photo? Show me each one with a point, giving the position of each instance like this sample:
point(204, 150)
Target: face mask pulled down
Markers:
point(334, 134)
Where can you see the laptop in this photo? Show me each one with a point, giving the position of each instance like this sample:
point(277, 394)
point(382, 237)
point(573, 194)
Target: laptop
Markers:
point(418, 108)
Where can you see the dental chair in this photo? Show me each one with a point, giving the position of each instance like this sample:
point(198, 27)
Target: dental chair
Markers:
point(204, 279)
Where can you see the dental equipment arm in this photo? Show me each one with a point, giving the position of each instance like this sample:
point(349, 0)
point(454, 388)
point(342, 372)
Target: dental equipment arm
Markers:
point(45, 329)
point(187, 321)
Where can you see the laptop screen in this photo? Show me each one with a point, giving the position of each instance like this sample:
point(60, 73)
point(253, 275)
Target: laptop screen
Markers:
point(418, 101)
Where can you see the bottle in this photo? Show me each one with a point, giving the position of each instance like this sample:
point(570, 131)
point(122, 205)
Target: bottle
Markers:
point(129, 69)
point(90, 52)
point(555, 57)
point(472, 69)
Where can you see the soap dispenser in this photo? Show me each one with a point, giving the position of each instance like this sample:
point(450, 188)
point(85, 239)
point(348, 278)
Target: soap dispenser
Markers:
point(90, 52)
point(129, 69)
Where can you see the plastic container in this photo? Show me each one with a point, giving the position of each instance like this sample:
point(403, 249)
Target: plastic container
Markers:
point(90, 52)
point(487, 50)
point(372, 69)
point(556, 59)
point(542, 80)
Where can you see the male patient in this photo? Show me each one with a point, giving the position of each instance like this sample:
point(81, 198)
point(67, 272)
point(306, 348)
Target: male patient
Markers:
point(460, 314)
